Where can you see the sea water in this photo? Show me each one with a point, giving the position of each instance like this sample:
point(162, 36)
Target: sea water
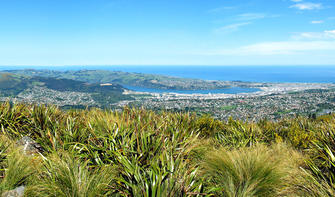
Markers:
point(232, 90)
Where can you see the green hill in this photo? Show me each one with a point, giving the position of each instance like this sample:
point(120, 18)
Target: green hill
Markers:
point(129, 79)
point(25, 87)
point(11, 85)
point(7, 80)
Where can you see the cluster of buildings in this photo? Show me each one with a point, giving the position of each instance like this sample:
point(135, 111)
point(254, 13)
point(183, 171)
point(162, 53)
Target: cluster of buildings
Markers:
point(272, 102)
point(39, 94)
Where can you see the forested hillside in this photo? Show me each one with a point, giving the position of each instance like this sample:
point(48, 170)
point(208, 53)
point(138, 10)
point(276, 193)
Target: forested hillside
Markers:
point(131, 79)
point(67, 93)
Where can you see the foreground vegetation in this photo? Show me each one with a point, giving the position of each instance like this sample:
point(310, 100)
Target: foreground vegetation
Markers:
point(137, 152)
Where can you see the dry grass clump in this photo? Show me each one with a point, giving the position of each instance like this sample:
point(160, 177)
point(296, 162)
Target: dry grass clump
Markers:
point(252, 171)
point(16, 168)
point(64, 175)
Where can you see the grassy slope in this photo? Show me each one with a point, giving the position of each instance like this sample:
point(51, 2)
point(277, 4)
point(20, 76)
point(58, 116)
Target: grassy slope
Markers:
point(11, 84)
point(143, 153)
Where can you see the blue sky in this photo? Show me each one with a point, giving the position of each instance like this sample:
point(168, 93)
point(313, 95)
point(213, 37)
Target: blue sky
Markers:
point(167, 32)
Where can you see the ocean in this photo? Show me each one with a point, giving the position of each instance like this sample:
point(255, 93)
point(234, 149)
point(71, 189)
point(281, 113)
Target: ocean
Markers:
point(302, 74)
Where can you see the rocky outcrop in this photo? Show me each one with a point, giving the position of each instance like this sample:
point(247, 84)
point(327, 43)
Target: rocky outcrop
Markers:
point(30, 147)
point(17, 192)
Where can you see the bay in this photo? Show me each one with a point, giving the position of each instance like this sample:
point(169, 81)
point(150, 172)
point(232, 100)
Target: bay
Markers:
point(232, 90)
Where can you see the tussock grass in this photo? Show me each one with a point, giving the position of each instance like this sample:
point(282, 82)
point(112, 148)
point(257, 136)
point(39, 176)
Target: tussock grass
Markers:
point(256, 171)
point(16, 170)
point(137, 152)
point(63, 175)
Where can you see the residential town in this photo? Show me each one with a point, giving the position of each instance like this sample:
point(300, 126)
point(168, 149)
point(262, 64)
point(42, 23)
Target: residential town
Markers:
point(272, 102)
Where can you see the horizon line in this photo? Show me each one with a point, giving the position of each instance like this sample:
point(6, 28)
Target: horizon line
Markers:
point(149, 65)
